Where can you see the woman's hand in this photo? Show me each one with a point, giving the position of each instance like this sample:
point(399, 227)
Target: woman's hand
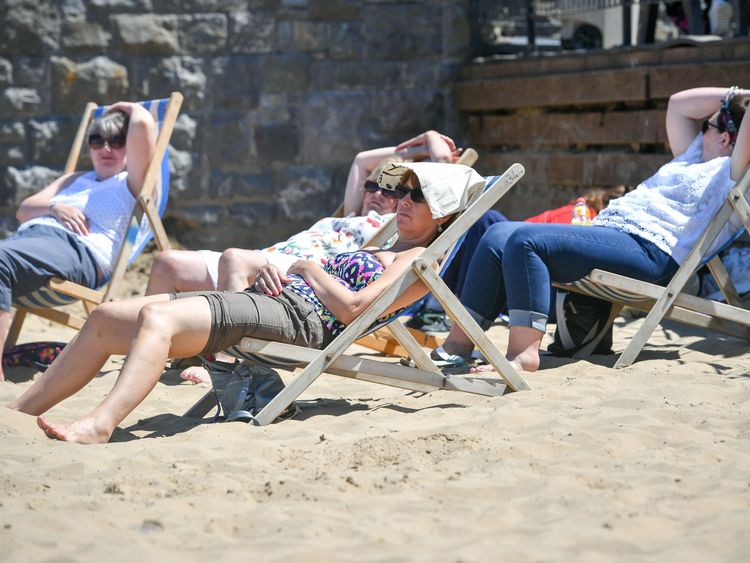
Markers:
point(270, 280)
point(430, 145)
point(72, 217)
point(303, 267)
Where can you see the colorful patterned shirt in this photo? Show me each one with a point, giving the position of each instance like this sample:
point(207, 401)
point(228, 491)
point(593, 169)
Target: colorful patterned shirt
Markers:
point(354, 270)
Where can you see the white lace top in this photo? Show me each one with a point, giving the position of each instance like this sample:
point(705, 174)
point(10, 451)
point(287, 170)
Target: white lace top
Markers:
point(673, 207)
point(107, 205)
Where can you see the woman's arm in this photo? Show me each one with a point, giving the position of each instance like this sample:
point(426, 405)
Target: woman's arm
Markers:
point(741, 152)
point(38, 204)
point(347, 305)
point(685, 111)
point(430, 145)
point(140, 142)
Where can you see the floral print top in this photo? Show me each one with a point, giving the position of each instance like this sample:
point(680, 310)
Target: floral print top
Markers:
point(331, 235)
point(354, 270)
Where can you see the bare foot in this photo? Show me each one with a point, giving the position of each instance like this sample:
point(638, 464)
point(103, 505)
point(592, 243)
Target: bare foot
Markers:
point(196, 374)
point(484, 368)
point(84, 431)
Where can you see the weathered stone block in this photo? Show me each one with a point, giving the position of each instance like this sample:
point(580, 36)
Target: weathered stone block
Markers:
point(282, 72)
point(29, 27)
point(13, 144)
point(295, 4)
point(230, 146)
point(186, 182)
point(73, 84)
point(298, 35)
point(346, 41)
point(398, 31)
point(333, 10)
point(105, 8)
point(272, 109)
point(251, 33)
point(23, 182)
point(20, 102)
point(356, 75)
point(180, 163)
point(183, 135)
point(32, 72)
point(51, 140)
point(306, 193)
point(333, 125)
point(83, 35)
point(277, 142)
point(402, 113)
point(233, 186)
point(203, 33)
point(146, 34)
point(13, 132)
point(457, 32)
point(73, 10)
point(234, 83)
point(184, 74)
point(12, 155)
point(198, 6)
point(6, 73)
point(252, 225)
point(263, 5)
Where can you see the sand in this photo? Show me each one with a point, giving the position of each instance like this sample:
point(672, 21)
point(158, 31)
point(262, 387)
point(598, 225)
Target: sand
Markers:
point(648, 463)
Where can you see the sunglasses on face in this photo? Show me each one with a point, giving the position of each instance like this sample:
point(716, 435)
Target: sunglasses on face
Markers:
point(416, 194)
point(706, 124)
point(97, 141)
point(373, 187)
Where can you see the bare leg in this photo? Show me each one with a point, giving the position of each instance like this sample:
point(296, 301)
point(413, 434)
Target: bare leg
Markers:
point(179, 270)
point(167, 328)
point(109, 330)
point(523, 347)
point(238, 268)
point(5, 319)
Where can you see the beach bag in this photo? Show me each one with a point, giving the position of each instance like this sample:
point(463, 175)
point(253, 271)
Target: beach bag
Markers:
point(241, 390)
point(35, 354)
point(581, 326)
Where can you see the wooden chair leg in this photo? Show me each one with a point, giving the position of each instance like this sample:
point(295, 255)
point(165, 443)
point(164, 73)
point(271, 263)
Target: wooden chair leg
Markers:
point(15, 328)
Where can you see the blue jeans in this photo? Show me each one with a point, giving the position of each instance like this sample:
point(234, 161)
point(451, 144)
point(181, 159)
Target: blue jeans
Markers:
point(516, 263)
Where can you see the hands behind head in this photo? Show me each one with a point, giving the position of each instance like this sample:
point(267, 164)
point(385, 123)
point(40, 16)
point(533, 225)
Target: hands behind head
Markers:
point(431, 145)
point(270, 280)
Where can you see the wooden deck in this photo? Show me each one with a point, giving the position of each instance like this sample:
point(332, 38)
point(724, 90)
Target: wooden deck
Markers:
point(584, 120)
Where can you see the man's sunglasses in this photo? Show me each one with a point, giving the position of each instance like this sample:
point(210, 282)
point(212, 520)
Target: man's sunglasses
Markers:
point(706, 124)
point(373, 187)
point(97, 141)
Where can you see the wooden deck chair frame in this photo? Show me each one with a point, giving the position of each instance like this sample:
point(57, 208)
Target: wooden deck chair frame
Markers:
point(669, 302)
point(382, 340)
point(146, 205)
point(426, 376)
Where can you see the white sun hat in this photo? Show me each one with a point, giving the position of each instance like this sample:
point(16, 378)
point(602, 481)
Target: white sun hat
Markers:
point(447, 188)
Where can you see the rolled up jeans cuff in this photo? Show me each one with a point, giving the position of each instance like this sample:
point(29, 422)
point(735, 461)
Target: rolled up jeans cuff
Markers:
point(529, 319)
point(483, 323)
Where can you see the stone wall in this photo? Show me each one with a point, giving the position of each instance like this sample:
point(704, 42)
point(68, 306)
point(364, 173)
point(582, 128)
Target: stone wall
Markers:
point(279, 96)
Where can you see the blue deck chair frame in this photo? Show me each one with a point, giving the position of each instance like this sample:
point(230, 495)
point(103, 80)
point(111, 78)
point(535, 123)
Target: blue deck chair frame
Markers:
point(145, 224)
point(426, 376)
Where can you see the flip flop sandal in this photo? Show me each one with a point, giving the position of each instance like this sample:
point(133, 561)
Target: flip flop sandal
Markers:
point(450, 364)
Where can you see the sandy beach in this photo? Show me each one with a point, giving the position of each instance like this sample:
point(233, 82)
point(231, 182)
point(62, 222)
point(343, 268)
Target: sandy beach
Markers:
point(648, 463)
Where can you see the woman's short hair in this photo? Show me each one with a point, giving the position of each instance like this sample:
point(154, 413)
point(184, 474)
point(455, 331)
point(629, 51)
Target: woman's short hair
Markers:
point(110, 124)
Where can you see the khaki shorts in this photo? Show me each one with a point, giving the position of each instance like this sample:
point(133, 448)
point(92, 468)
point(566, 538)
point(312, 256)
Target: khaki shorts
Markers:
point(286, 318)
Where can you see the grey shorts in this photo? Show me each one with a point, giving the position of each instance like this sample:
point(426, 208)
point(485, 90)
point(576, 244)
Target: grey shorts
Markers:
point(286, 318)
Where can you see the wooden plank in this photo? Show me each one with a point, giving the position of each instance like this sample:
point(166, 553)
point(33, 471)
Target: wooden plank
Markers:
point(73, 289)
point(534, 130)
point(667, 80)
point(599, 87)
point(721, 276)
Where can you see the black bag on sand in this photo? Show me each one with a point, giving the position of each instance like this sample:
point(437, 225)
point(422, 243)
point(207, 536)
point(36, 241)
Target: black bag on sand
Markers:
point(242, 390)
point(581, 326)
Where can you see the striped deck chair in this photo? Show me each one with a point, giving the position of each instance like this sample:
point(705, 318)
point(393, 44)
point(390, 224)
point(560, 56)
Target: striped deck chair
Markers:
point(426, 376)
point(670, 302)
point(145, 223)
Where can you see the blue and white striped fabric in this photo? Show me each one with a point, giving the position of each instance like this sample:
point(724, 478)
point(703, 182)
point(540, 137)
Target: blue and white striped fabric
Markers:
point(137, 234)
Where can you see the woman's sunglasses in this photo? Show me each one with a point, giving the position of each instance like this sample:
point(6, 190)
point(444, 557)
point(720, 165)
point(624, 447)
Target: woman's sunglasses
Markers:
point(416, 194)
point(373, 187)
point(706, 124)
point(97, 141)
